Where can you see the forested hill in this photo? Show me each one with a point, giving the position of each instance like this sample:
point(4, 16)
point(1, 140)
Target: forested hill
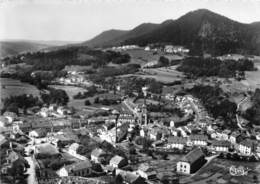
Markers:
point(201, 31)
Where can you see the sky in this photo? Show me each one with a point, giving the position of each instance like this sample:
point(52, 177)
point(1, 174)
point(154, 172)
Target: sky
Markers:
point(80, 20)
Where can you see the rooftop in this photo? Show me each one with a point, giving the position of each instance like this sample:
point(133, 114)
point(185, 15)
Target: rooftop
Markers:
point(193, 156)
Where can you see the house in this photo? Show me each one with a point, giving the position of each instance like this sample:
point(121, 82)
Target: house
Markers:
point(176, 142)
point(225, 135)
point(10, 116)
point(126, 118)
point(38, 133)
point(3, 140)
point(44, 112)
point(155, 133)
point(73, 149)
point(246, 147)
point(198, 140)
point(145, 171)
point(129, 177)
point(97, 154)
point(192, 162)
point(221, 146)
point(12, 156)
point(118, 162)
point(175, 131)
point(83, 169)
point(3, 121)
point(47, 176)
point(235, 137)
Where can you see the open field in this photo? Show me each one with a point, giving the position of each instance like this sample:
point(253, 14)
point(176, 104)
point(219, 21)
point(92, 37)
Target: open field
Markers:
point(12, 87)
point(253, 77)
point(140, 56)
point(218, 172)
point(71, 91)
point(163, 74)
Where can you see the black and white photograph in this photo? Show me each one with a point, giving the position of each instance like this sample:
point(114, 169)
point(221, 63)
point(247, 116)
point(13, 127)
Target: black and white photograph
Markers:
point(130, 91)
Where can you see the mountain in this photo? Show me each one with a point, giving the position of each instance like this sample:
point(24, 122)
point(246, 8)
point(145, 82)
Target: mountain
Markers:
point(201, 31)
point(13, 47)
point(115, 37)
point(104, 38)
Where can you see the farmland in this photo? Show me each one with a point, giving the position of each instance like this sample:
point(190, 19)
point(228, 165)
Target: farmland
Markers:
point(12, 87)
point(71, 91)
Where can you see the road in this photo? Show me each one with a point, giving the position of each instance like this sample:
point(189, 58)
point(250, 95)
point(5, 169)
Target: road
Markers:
point(237, 116)
point(31, 171)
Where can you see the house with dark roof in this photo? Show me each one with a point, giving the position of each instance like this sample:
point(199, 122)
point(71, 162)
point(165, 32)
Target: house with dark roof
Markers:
point(82, 168)
point(176, 142)
point(191, 162)
point(198, 140)
point(221, 146)
point(118, 162)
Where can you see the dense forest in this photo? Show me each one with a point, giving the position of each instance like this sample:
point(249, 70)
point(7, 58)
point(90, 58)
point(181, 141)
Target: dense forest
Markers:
point(216, 103)
point(58, 59)
point(198, 67)
point(253, 113)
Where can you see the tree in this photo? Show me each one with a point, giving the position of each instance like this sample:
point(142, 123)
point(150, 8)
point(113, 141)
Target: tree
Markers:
point(57, 96)
point(96, 100)
point(163, 61)
point(118, 179)
point(87, 102)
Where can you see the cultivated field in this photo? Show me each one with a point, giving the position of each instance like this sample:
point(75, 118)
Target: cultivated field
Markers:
point(12, 87)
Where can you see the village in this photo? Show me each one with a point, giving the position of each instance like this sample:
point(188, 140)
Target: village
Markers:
point(123, 145)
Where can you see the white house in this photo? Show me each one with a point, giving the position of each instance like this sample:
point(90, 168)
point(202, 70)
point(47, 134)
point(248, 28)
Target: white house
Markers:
point(38, 133)
point(96, 155)
point(145, 171)
point(73, 149)
point(10, 116)
point(192, 162)
point(118, 162)
point(246, 147)
point(176, 142)
point(199, 140)
point(221, 146)
point(82, 168)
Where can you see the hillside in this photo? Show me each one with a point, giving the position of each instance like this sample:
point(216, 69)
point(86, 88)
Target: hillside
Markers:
point(104, 38)
point(115, 37)
point(201, 31)
point(14, 47)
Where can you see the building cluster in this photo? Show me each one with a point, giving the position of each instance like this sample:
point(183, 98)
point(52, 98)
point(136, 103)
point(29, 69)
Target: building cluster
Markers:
point(53, 133)
point(125, 47)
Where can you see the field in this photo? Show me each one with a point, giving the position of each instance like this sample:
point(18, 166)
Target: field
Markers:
point(166, 75)
point(253, 77)
point(141, 56)
point(71, 91)
point(218, 172)
point(12, 87)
